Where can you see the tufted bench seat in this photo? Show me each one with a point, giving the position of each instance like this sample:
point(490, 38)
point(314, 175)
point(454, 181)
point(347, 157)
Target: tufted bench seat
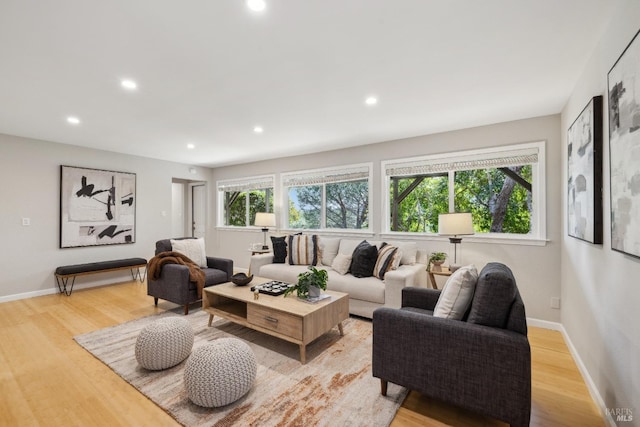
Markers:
point(63, 273)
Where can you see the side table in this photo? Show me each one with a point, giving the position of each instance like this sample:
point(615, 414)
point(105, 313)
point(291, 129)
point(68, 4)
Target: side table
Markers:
point(437, 271)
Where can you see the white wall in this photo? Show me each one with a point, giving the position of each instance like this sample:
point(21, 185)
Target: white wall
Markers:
point(30, 173)
point(600, 287)
point(535, 267)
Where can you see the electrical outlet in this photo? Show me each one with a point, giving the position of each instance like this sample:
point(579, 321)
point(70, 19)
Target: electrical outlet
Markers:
point(555, 302)
point(26, 222)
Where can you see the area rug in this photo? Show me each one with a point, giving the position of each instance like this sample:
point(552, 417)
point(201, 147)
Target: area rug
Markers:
point(334, 388)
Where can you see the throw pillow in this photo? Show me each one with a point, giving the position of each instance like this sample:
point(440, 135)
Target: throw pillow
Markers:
point(303, 249)
point(279, 246)
point(328, 248)
point(363, 260)
point(495, 292)
point(192, 249)
point(456, 296)
point(341, 263)
point(384, 262)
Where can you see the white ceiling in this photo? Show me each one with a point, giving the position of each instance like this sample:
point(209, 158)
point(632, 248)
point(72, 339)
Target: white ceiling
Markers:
point(210, 70)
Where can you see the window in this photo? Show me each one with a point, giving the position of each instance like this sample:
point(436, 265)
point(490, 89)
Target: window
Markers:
point(239, 200)
point(502, 187)
point(328, 198)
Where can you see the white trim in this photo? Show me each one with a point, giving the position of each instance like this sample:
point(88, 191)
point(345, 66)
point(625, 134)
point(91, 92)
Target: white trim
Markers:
point(76, 287)
point(591, 385)
point(544, 324)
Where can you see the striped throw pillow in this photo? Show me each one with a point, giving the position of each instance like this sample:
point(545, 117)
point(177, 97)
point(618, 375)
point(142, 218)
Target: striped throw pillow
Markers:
point(303, 249)
point(386, 256)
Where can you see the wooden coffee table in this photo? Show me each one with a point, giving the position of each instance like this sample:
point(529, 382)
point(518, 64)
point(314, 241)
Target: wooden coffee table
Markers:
point(286, 318)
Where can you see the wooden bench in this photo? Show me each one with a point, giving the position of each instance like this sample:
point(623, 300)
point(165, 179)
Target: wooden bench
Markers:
point(65, 272)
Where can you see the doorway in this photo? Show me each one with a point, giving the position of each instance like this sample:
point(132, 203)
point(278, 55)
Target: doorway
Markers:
point(188, 208)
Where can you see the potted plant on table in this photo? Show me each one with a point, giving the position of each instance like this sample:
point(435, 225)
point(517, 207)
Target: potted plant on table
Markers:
point(309, 283)
point(437, 259)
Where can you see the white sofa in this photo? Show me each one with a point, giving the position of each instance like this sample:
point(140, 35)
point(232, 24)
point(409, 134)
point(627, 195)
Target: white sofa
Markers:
point(365, 294)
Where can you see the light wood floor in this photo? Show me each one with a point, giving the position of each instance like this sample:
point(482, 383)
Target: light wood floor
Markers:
point(46, 379)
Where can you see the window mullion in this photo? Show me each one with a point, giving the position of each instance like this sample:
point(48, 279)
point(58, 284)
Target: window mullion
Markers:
point(452, 191)
point(323, 215)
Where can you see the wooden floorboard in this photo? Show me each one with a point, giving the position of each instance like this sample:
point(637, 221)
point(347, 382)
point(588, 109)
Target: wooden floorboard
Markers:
point(46, 379)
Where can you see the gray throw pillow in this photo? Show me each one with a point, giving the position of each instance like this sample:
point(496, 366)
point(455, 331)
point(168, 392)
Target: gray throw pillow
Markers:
point(494, 295)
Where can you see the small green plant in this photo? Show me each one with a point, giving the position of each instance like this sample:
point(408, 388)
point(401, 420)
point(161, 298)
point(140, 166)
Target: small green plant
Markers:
point(436, 256)
point(313, 277)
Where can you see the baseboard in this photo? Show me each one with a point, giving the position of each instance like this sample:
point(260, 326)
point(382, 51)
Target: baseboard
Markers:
point(545, 324)
point(26, 295)
point(54, 290)
point(591, 386)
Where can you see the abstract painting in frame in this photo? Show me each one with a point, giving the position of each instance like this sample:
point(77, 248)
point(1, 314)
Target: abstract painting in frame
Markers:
point(623, 83)
point(584, 178)
point(97, 207)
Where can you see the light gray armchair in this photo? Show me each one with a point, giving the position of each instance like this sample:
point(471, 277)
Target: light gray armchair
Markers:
point(174, 284)
point(482, 363)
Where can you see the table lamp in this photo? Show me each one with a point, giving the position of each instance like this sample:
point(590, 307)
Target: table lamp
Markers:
point(265, 220)
point(455, 225)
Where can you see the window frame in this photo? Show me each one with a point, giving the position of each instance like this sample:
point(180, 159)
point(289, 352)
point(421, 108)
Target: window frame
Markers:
point(537, 236)
point(323, 177)
point(245, 184)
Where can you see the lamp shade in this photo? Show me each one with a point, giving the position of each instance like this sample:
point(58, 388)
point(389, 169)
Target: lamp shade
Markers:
point(265, 219)
point(455, 224)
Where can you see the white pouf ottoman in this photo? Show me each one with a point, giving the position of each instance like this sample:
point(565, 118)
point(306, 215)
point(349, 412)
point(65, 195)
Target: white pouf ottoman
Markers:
point(164, 343)
point(220, 373)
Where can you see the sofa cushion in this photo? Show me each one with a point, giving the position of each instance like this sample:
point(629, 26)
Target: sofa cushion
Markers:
point(279, 246)
point(328, 249)
point(365, 289)
point(409, 252)
point(384, 262)
point(347, 246)
point(456, 296)
point(213, 276)
point(192, 249)
point(303, 249)
point(495, 292)
point(363, 260)
point(341, 263)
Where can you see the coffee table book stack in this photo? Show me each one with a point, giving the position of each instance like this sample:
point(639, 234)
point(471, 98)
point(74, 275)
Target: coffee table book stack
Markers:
point(286, 318)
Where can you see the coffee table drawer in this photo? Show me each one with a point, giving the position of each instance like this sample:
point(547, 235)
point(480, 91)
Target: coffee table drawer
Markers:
point(277, 321)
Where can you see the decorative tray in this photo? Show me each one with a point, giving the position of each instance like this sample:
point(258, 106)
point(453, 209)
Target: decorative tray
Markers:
point(274, 287)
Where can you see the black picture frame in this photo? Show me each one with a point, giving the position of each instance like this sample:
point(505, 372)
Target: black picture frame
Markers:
point(584, 174)
point(623, 90)
point(97, 207)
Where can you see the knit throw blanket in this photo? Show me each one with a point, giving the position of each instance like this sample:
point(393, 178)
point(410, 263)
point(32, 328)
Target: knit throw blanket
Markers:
point(195, 272)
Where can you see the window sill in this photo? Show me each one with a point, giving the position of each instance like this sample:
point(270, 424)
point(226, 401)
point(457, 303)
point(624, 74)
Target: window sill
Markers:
point(505, 239)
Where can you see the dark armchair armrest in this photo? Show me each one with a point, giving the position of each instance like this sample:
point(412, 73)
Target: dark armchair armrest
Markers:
point(423, 298)
point(223, 264)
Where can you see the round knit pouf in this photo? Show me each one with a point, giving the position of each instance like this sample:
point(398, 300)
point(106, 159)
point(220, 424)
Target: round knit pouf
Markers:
point(164, 343)
point(220, 373)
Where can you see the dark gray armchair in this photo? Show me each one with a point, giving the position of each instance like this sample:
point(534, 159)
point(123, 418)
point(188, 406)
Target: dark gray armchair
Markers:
point(482, 363)
point(174, 284)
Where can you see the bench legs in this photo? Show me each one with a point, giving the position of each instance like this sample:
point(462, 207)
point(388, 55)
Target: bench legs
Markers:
point(62, 284)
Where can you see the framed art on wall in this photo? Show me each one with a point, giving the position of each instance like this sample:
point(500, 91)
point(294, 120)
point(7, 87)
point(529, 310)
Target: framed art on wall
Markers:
point(584, 178)
point(97, 207)
point(623, 83)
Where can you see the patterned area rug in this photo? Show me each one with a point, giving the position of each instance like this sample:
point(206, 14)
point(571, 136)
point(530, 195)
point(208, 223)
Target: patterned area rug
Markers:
point(334, 388)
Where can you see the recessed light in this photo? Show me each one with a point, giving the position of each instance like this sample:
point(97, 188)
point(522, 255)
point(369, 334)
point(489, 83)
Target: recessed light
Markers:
point(258, 129)
point(128, 84)
point(256, 5)
point(73, 120)
point(371, 100)
point(191, 146)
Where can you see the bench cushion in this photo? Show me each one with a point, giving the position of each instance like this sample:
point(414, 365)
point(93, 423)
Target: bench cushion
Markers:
point(97, 266)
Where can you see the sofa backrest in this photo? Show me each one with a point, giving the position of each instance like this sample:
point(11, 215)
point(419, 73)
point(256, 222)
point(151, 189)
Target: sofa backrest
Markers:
point(497, 302)
point(164, 245)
